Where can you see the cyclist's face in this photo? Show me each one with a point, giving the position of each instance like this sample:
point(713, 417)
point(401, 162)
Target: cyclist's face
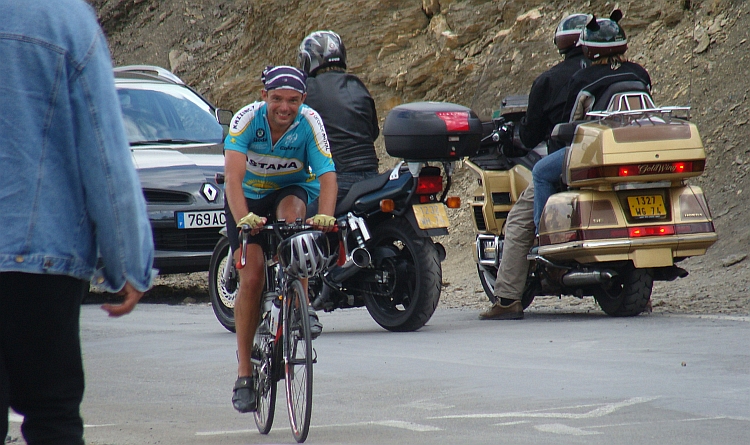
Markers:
point(282, 107)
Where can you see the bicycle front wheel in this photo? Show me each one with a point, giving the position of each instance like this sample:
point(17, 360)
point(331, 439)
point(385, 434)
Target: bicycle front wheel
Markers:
point(298, 358)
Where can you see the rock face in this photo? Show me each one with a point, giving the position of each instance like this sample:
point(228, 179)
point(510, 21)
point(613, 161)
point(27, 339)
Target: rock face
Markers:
point(471, 52)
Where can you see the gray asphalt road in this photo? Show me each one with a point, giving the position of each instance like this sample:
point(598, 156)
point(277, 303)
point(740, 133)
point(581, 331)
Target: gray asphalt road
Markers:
point(164, 375)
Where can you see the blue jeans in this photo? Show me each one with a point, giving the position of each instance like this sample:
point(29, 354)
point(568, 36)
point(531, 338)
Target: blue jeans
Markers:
point(546, 174)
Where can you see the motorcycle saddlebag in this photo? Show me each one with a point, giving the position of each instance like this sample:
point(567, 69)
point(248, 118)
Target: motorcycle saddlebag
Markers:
point(432, 131)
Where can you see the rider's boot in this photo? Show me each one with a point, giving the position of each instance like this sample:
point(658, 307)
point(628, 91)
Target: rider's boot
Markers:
point(504, 309)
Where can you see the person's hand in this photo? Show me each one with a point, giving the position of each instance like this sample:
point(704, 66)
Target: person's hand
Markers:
point(253, 221)
point(132, 296)
point(322, 222)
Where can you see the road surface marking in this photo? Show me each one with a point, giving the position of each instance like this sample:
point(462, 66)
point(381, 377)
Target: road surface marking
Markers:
point(601, 411)
point(559, 428)
point(389, 423)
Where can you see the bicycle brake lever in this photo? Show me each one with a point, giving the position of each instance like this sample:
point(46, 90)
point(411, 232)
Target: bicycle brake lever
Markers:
point(243, 255)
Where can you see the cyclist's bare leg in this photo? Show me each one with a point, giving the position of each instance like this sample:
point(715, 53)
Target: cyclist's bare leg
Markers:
point(290, 208)
point(247, 306)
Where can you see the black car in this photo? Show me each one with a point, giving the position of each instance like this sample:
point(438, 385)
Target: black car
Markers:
point(176, 137)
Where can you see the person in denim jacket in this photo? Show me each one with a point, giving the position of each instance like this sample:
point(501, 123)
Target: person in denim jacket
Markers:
point(69, 197)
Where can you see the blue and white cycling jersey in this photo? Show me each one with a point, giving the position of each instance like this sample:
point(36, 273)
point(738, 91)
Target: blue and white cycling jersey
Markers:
point(299, 157)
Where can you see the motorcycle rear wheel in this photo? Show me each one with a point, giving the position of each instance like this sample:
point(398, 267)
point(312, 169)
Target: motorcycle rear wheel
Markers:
point(628, 295)
point(222, 293)
point(406, 300)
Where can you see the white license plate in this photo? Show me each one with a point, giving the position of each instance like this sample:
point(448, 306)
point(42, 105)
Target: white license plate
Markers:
point(431, 216)
point(199, 220)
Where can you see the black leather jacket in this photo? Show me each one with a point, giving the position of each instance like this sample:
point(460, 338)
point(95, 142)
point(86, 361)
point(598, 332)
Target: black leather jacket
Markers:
point(350, 119)
point(547, 99)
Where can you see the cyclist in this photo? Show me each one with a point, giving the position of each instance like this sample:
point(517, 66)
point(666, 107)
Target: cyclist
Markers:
point(546, 101)
point(277, 160)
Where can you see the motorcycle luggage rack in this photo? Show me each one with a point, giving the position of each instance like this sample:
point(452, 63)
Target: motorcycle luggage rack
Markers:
point(635, 105)
point(633, 116)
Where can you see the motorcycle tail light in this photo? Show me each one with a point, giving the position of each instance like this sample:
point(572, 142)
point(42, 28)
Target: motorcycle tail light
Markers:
point(706, 227)
point(638, 232)
point(453, 202)
point(455, 120)
point(429, 185)
point(629, 232)
point(630, 170)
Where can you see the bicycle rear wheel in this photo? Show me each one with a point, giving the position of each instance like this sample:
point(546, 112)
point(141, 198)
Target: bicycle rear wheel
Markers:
point(298, 356)
point(265, 371)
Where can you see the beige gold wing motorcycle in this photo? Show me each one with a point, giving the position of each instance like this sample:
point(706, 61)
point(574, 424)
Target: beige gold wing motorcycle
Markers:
point(627, 216)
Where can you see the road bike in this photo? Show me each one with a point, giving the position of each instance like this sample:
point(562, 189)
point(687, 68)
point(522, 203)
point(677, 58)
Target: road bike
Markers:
point(282, 348)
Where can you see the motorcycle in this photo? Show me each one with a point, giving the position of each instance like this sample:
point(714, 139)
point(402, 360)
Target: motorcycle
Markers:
point(626, 216)
point(386, 259)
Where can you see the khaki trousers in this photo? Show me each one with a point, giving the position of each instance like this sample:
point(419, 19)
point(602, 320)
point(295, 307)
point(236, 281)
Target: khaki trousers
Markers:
point(519, 238)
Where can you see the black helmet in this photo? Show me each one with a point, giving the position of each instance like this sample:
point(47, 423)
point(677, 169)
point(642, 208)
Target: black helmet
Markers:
point(319, 50)
point(603, 37)
point(568, 31)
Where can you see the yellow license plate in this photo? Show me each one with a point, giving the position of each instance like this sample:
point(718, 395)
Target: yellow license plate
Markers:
point(647, 206)
point(431, 216)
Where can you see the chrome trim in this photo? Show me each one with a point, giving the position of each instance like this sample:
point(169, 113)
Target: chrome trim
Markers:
point(630, 243)
point(495, 261)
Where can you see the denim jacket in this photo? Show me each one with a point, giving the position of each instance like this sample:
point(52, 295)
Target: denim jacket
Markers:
point(69, 193)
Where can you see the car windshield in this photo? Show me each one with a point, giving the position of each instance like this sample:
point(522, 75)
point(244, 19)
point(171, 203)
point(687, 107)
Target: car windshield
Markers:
point(164, 113)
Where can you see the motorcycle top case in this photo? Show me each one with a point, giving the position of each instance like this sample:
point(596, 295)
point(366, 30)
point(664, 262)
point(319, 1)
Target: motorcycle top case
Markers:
point(634, 150)
point(432, 131)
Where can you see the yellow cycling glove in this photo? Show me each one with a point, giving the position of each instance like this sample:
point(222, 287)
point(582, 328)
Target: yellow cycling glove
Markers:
point(323, 221)
point(251, 219)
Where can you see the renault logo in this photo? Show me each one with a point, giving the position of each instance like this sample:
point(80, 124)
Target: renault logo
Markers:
point(209, 192)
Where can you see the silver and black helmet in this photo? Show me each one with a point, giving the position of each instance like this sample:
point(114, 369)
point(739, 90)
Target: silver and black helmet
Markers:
point(304, 254)
point(321, 49)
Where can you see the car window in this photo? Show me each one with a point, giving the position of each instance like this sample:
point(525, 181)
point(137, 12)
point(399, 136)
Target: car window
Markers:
point(164, 112)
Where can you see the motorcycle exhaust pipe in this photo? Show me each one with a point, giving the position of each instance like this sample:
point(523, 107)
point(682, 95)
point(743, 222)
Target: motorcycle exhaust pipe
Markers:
point(360, 258)
point(579, 278)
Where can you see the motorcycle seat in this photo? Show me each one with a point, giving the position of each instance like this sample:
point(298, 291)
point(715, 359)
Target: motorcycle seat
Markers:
point(359, 189)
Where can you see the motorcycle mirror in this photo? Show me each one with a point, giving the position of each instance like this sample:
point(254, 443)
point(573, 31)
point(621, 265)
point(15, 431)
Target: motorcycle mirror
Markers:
point(453, 202)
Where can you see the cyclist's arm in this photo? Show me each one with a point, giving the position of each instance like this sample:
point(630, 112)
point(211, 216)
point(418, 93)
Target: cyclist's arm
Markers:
point(328, 192)
point(234, 174)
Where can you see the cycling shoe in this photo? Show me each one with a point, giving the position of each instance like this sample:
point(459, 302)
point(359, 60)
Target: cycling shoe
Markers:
point(243, 396)
point(316, 327)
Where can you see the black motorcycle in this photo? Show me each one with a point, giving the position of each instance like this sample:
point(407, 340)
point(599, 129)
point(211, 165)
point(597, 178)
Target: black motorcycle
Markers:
point(386, 259)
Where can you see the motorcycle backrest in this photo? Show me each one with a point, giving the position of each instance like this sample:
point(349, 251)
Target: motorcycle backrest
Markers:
point(586, 102)
point(617, 97)
point(620, 96)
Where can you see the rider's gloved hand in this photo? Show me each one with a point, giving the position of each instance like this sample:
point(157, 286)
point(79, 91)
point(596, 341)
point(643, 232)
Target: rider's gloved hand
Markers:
point(323, 222)
point(252, 220)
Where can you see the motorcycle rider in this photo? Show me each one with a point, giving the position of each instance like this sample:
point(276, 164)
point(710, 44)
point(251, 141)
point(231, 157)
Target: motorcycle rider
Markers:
point(345, 104)
point(277, 160)
point(546, 101)
point(604, 42)
point(348, 113)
